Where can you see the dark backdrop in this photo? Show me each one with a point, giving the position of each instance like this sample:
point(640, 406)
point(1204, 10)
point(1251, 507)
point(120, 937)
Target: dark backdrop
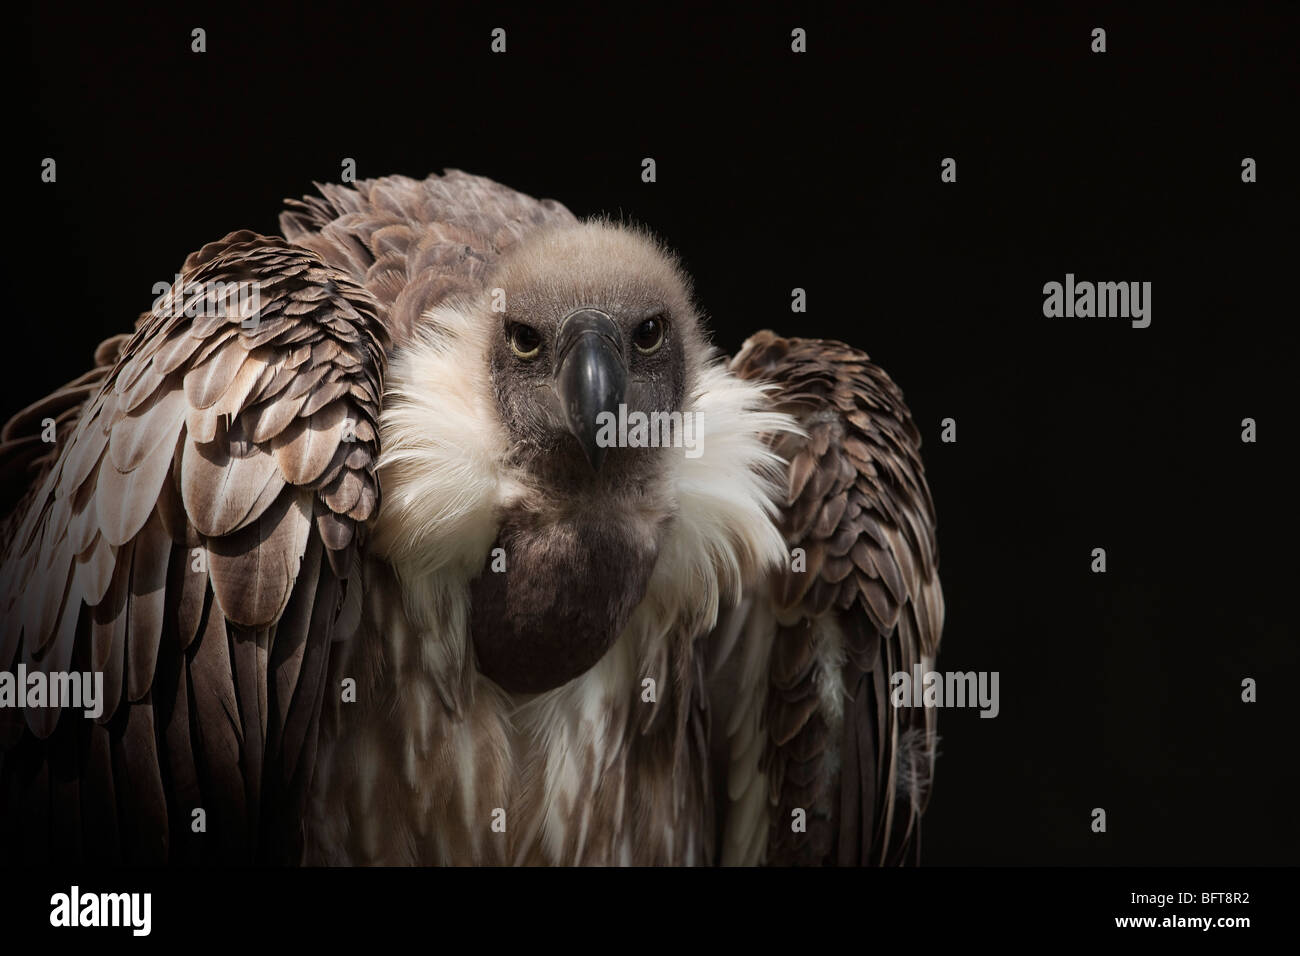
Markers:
point(821, 171)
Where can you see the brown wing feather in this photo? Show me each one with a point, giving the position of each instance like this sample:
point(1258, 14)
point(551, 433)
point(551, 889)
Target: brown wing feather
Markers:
point(171, 536)
point(857, 503)
point(413, 243)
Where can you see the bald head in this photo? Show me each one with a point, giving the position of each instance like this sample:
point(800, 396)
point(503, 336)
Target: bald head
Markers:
point(597, 321)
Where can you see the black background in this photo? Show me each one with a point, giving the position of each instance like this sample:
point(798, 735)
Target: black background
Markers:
point(821, 171)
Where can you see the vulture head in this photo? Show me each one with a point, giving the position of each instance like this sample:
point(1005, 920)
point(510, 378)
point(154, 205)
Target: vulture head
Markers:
point(575, 330)
point(597, 324)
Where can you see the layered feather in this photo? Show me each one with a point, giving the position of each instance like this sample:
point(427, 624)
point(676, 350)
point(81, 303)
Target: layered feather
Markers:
point(818, 733)
point(164, 547)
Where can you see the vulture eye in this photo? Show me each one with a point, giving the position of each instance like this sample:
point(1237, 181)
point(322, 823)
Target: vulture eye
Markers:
point(649, 335)
point(525, 340)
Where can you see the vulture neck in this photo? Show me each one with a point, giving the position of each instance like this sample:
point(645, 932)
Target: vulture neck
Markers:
point(558, 589)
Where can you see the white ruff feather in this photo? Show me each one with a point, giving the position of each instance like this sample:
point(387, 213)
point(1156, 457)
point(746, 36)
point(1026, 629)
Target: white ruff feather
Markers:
point(442, 465)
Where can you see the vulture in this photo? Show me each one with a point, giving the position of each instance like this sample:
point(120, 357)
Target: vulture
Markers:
point(368, 576)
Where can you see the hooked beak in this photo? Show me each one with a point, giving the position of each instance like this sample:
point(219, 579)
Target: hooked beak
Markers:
point(590, 376)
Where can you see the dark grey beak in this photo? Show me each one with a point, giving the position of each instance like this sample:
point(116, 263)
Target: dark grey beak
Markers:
point(590, 376)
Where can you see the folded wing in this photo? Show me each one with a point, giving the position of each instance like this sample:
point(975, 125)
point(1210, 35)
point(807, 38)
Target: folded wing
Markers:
point(821, 769)
point(193, 537)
